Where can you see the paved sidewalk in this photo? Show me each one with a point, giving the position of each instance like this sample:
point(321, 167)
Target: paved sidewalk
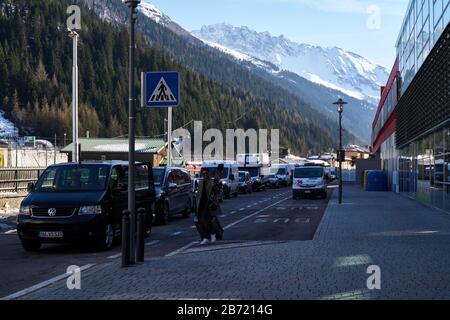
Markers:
point(408, 241)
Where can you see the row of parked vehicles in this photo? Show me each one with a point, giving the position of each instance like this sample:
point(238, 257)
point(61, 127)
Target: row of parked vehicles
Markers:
point(76, 202)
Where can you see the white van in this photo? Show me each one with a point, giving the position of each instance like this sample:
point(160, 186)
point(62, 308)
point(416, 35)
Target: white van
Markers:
point(282, 172)
point(309, 180)
point(229, 178)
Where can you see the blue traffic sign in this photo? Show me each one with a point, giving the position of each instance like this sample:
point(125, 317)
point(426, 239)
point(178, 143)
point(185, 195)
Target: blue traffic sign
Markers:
point(161, 89)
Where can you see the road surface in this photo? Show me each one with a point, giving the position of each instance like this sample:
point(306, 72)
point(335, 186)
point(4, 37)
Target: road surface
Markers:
point(254, 219)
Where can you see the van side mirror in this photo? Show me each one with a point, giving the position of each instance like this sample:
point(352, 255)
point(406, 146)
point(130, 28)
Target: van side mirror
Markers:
point(30, 186)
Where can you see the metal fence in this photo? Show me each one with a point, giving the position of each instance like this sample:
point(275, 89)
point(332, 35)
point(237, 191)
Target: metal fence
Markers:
point(17, 179)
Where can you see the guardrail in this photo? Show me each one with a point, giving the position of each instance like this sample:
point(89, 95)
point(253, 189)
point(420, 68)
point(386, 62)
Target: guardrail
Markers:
point(17, 179)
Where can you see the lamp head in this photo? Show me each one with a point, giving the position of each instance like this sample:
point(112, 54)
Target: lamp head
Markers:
point(340, 105)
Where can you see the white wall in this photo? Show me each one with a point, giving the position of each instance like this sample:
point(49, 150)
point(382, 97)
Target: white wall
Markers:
point(32, 158)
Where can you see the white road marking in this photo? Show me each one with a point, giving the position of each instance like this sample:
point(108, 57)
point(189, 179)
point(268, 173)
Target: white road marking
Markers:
point(233, 212)
point(303, 220)
point(181, 249)
point(260, 221)
point(227, 227)
point(176, 233)
point(11, 231)
point(43, 284)
point(252, 215)
point(115, 256)
point(152, 243)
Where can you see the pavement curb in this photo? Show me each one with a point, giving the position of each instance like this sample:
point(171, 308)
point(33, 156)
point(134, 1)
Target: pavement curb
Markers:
point(323, 226)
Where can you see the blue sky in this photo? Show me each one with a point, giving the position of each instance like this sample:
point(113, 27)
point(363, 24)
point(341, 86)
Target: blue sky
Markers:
point(369, 28)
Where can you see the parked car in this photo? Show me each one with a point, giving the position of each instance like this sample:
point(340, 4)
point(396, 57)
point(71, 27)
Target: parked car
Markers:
point(77, 202)
point(309, 180)
point(257, 177)
point(274, 182)
point(245, 182)
point(229, 178)
point(174, 193)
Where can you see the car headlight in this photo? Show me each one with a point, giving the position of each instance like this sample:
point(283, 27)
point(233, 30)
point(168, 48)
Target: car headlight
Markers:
point(25, 210)
point(90, 210)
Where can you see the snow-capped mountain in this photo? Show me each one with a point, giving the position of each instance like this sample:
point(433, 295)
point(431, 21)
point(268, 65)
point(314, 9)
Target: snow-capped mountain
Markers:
point(160, 17)
point(334, 68)
point(107, 10)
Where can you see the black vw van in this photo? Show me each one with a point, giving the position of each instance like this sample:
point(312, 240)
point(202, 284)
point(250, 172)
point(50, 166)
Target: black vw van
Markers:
point(77, 202)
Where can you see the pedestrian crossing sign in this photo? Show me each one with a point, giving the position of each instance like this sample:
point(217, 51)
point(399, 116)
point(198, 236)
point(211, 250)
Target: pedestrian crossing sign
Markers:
point(161, 89)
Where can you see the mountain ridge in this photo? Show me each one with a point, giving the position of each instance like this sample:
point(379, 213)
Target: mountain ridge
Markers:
point(333, 67)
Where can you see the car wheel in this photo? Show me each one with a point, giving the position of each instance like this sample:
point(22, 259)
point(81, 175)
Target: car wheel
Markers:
point(31, 245)
point(187, 211)
point(106, 238)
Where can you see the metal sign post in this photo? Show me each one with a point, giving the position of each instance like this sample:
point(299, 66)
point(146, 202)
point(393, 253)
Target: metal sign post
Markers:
point(169, 138)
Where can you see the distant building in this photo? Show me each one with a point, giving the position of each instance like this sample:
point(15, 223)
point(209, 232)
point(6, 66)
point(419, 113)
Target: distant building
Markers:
point(147, 150)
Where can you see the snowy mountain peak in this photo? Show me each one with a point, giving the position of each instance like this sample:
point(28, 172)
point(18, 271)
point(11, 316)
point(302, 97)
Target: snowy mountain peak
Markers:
point(332, 67)
point(154, 13)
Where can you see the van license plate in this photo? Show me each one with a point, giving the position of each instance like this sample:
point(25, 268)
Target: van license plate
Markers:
point(50, 234)
point(307, 191)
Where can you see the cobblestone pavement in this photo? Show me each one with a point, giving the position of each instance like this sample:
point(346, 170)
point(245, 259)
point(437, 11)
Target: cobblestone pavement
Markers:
point(408, 241)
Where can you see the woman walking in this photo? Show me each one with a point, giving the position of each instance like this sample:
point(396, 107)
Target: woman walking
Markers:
point(208, 208)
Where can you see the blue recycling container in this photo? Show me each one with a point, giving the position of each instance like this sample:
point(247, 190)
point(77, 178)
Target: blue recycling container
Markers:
point(376, 181)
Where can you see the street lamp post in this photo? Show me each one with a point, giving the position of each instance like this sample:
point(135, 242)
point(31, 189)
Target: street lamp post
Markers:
point(340, 108)
point(74, 35)
point(132, 4)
